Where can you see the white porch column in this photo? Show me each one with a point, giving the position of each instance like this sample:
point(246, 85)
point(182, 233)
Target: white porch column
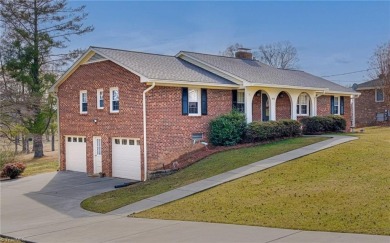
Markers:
point(294, 101)
point(248, 104)
point(273, 95)
point(313, 107)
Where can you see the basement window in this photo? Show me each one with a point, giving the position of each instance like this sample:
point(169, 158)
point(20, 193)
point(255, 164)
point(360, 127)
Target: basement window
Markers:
point(197, 136)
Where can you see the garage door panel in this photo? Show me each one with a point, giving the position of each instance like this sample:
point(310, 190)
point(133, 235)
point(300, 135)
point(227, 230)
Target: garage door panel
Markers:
point(76, 153)
point(126, 158)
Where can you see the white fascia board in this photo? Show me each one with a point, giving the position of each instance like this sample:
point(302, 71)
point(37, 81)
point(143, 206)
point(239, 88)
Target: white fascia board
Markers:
point(82, 60)
point(179, 83)
point(142, 77)
point(342, 93)
point(75, 65)
point(210, 68)
point(284, 86)
point(367, 88)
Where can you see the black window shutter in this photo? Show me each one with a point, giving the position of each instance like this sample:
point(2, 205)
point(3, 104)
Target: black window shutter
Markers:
point(234, 99)
point(331, 104)
point(341, 105)
point(184, 101)
point(204, 101)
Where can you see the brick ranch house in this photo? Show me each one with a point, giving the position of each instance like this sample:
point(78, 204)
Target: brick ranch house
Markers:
point(121, 112)
point(372, 107)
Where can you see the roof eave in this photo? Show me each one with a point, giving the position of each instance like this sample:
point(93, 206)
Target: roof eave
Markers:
point(160, 82)
point(70, 70)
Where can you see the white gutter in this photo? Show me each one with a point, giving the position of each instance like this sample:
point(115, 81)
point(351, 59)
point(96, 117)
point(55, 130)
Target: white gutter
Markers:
point(144, 121)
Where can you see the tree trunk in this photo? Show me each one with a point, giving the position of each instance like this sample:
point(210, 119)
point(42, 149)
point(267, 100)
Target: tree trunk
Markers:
point(27, 145)
point(52, 142)
point(24, 148)
point(47, 136)
point(16, 144)
point(38, 145)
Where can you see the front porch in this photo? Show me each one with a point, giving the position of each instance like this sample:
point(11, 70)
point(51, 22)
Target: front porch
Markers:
point(272, 104)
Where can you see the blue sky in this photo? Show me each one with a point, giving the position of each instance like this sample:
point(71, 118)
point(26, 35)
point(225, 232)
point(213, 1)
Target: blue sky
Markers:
point(331, 37)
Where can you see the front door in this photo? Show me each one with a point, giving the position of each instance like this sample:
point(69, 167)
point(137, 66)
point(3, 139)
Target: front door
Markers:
point(97, 154)
point(265, 107)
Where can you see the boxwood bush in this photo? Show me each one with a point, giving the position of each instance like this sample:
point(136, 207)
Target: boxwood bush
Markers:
point(227, 130)
point(322, 124)
point(261, 131)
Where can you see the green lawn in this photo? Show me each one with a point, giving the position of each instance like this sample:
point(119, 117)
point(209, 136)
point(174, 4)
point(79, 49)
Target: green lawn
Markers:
point(41, 165)
point(343, 189)
point(210, 166)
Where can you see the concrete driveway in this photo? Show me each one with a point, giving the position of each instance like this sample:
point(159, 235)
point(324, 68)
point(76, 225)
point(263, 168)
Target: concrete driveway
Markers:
point(45, 208)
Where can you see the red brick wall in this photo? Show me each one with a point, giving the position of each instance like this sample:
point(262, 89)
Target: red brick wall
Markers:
point(126, 123)
point(169, 132)
point(366, 108)
point(323, 108)
point(256, 107)
point(283, 106)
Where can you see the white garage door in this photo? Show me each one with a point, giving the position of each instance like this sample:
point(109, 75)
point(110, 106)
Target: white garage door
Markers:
point(76, 153)
point(126, 158)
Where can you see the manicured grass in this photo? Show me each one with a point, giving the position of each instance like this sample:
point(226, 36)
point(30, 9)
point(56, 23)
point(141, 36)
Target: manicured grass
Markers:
point(41, 165)
point(210, 166)
point(343, 189)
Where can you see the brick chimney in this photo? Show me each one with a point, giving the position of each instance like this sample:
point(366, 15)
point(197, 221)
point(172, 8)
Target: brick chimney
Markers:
point(244, 53)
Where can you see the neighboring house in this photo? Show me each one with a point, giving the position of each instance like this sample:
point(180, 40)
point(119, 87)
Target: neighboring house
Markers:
point(372, 107)
point(122, 111)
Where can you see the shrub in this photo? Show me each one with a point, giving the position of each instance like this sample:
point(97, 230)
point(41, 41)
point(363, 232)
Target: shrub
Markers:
point(13, 170)
point(261, 131)
point(321, 124)
point(227, 130)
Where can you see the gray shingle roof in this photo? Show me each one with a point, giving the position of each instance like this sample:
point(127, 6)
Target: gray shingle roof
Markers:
point(369, 84)
point(161, 67)
point(256, 72)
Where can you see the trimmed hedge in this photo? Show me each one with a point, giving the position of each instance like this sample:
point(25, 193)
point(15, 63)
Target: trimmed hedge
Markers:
point(322, 124)
point(227, 130)
point(261, 131)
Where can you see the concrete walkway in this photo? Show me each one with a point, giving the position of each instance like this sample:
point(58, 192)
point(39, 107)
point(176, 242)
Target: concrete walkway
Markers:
point(45, 208)
point(205, 184)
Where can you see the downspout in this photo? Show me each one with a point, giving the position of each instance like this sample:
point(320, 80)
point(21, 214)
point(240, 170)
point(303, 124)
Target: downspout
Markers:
point(144, 121)
point(58, 128)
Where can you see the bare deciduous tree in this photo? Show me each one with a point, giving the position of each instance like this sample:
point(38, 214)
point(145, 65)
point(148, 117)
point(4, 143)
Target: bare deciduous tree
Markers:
point(230, 50)
point(380, 67)
point(280, 55)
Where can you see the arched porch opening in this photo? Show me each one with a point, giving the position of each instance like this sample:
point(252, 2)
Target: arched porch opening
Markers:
point(283, 106)
point(261, 106)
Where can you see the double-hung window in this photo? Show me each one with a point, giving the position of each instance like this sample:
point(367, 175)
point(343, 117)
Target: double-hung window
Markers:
point(379, 97)
point(193, 101)
point(83, 102)
point(240, 101)
point(114, 100)
point(100, 99)
point(337, 105)
point(303, 105)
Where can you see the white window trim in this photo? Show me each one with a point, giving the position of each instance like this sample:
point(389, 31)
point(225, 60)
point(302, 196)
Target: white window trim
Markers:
point(98, 99)
point(81, 101)
point(376, 96)
point(300, 106)
point(198, 101)
point(111, 99)
point(338, 104)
